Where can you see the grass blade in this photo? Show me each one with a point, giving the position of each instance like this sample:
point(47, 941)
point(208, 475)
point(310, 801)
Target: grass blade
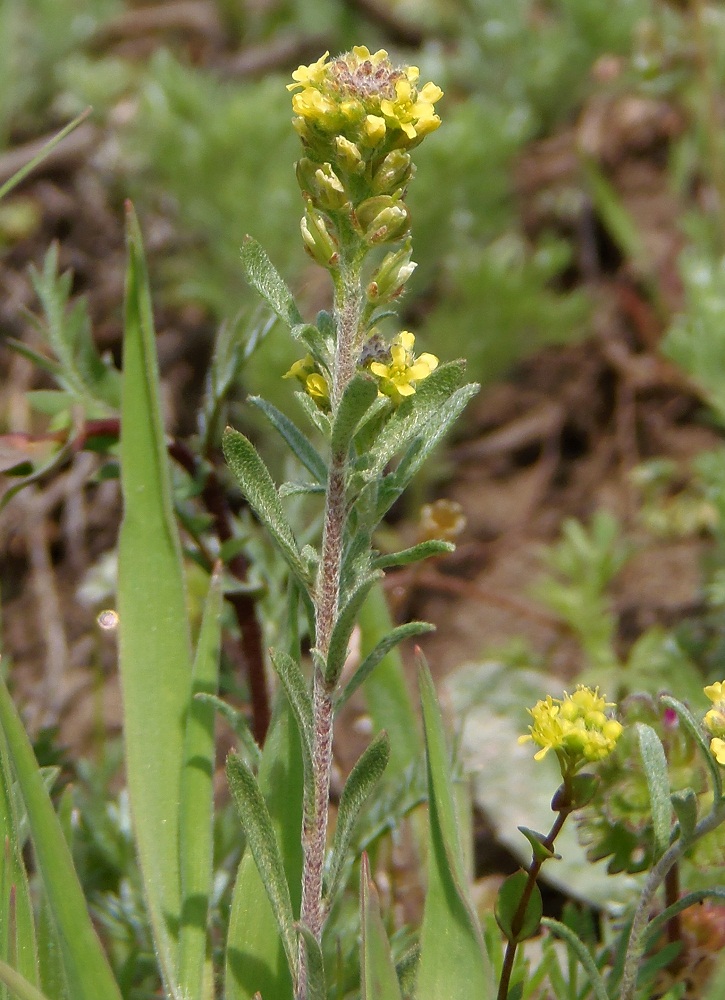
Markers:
point(155, 648)
point(21, 174)
point(453, 960)
point(89, 975)
point(379, 978)
point(197, 800)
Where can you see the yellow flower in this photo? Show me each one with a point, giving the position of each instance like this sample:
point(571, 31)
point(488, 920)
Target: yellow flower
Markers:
point(716, 692)
point(363, 96)
point(412, 111)
point(575, 727)
point(398, 379)
point(316, 388)
point(312, 74)
point(717, 748)
point(301, 369)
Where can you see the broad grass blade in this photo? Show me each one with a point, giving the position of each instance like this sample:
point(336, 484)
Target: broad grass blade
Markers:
point(453, 960)
point(155, 648)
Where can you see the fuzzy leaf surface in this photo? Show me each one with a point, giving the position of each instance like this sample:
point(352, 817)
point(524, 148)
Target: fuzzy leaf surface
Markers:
point(264, 277)
point(294, 437)
point(257, 486)
point(362, 779)
point(379, 652)
point(658, 783)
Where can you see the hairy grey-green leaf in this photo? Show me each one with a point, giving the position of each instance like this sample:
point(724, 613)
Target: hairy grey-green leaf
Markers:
point(298, 695)
point(658, 784)
point(685, 805)
point(256, 483)
point(263, 276)
point(362, 779)
point(344, 625)
point(423, 550)
point(294, 437)
point(381, 650)
point(357, 398)
point(262, 842)
point(315, 966)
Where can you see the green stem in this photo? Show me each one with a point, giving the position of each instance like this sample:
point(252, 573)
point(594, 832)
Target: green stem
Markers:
point(640, 923)
point(518, 921)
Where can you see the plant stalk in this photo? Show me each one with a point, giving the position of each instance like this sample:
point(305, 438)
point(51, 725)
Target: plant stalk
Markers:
point(635, 946)
point(518, 920)
point(348, 299)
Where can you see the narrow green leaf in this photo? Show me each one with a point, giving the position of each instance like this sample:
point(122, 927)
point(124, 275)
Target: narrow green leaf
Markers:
point(377, 971)
point(658, 785)
point(263, 276)
point(255, 958)
point(295, 686)
point(196, 843)
point(362, 779)
point(238, 722)
point(378, 654)
point(453, 960)
point(89, 974)
point(257, 486)
point(262, 841)
point(315, 968)
point(658, 923)
point(692, 726)
point(318, 343)
point(582, 953)
point(423, 550)
point(508, 900)
point(20, 986)
point(386, 690)
point(344, 624)
point(17, 928)
point(155, 645)
point(21, 174)
point(356, 400)
point(685, 805)
point(315, 415)
point(294, 437)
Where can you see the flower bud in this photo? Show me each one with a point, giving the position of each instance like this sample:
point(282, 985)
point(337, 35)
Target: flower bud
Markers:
point(395, 171)
point(348, 155)
point(389, 280)
point(382, 219)
point(320, 244)
point(320, 183)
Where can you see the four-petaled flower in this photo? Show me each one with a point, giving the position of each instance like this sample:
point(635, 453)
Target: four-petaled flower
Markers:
point(575, 727)
point(398, 378)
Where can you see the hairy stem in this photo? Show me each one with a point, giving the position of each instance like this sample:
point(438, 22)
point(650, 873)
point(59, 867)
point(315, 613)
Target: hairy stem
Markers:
point(636, 944)
point(314, 829)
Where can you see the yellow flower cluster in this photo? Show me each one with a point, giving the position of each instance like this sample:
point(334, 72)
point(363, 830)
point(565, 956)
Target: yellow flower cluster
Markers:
point(715, 720)
point(398, 378)
point(575, 727)
point(362, 97)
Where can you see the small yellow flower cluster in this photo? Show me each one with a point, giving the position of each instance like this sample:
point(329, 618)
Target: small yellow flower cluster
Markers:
point(362, 98)
point(715, 720)
point(312, 380)
point(575, 727)
point(398, 378)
